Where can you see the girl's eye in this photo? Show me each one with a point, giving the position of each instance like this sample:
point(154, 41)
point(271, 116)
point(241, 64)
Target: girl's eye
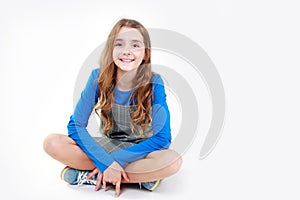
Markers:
point(118, 44)
point(136, 45)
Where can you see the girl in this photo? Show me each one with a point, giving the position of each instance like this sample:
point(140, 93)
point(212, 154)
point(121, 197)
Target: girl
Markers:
point(135, 122)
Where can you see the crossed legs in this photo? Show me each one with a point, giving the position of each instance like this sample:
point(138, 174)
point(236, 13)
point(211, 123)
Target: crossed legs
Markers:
point(157, 165)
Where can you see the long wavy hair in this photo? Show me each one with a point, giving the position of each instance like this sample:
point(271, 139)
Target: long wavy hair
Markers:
point(142, 87)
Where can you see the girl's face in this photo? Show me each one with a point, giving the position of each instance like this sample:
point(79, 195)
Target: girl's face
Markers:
point(129, 49)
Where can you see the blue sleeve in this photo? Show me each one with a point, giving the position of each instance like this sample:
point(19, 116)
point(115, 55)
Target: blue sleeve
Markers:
point(78, 123)
point(161, 138)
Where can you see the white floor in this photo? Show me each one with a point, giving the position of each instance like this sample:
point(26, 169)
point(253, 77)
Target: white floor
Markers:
point(38, 177)
point(225, 174)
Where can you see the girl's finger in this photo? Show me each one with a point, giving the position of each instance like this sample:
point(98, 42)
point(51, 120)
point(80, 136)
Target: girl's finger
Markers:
point(118, 188)
point(125, 176)
point(98, 184)
point(104, 185)
point(94, 172)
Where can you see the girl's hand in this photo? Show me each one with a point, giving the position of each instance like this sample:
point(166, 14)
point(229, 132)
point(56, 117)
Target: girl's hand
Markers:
point(99, 178)
point(113, 174)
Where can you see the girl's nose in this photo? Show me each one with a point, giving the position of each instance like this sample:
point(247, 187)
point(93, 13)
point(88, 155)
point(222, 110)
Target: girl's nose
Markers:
point(127, 50)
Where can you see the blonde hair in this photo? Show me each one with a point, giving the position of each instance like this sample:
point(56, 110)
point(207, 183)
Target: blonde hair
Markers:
point(142, 86)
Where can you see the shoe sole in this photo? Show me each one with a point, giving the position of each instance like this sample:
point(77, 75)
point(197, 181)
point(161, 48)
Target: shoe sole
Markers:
point(155, 186)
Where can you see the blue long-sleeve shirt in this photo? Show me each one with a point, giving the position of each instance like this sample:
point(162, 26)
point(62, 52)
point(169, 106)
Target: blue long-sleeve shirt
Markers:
point(161, 138)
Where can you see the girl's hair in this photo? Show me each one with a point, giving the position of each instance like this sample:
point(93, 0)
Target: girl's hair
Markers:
point(142, 86)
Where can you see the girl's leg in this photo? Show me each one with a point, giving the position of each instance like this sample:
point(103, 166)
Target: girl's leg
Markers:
point(65, 150)
point(157, 165)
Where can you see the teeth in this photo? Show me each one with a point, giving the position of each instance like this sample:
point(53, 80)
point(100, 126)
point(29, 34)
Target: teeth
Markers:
point(126, 60)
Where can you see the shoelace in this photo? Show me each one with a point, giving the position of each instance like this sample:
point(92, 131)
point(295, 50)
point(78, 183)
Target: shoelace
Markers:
point(81, 179)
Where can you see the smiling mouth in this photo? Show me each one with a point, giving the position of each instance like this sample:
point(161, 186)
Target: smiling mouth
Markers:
point(126, 60)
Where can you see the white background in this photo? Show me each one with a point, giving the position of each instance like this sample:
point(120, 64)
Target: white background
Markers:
point(254, 45)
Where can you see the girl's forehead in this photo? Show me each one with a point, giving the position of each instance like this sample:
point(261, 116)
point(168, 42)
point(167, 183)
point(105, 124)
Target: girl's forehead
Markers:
point(129, 34)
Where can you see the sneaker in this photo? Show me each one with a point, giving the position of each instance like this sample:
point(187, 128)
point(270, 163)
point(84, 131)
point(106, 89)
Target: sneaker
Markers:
point(151, 186)
point(77, 177)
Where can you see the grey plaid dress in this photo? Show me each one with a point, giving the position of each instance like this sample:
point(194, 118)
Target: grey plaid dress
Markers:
point(124, 132)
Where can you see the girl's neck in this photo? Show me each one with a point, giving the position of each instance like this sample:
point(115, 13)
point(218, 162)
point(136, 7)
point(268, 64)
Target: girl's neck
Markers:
point(124, 79)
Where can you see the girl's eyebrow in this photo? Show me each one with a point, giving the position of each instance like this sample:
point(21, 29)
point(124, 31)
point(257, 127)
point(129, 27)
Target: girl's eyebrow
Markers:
point(136, 41)
point(121, 40)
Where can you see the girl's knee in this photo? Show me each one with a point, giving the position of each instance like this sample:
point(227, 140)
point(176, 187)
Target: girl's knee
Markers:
point(175, 166)
point(52, 143)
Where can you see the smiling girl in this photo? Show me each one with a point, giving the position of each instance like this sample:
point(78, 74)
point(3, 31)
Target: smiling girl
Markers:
point(135, 121)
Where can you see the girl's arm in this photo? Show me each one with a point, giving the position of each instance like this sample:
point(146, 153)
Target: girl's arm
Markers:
point(78, 123)
point(161, 138)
